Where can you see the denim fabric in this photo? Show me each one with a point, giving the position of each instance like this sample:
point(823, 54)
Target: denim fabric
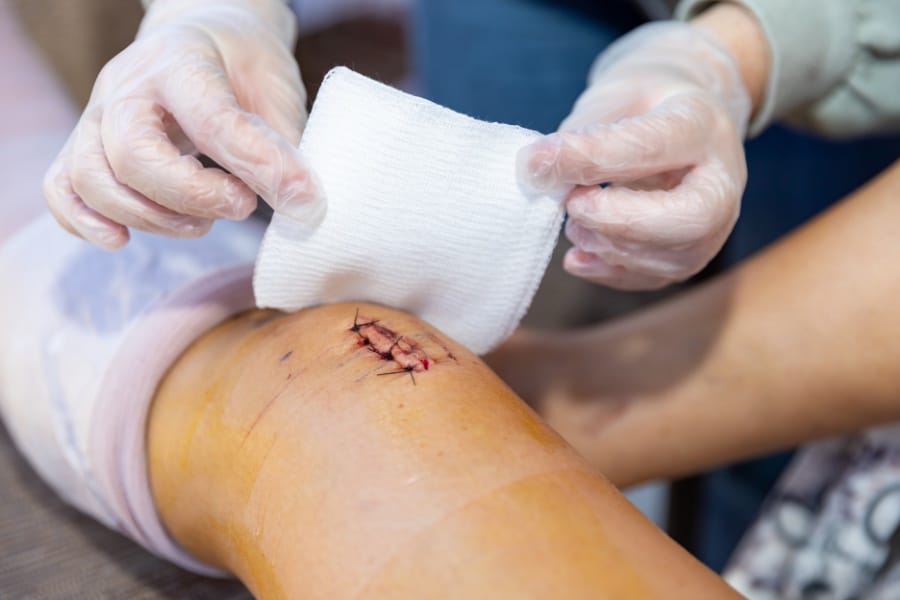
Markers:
point(516, 61)
point(525, 62)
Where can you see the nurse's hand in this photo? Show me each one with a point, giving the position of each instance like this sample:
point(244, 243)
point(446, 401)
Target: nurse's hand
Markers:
point(216, 77)
point(661, 127)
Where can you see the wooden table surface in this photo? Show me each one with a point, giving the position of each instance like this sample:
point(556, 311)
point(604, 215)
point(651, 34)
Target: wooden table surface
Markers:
point(49, 551)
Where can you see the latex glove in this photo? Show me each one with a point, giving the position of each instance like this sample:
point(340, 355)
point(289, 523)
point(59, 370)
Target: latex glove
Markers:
point(210, 76)
point(662, 122)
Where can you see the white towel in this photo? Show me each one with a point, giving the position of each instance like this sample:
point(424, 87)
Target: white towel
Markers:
point(425, 214)
point(88, 336)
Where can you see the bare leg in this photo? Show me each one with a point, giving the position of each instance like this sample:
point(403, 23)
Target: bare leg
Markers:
point(798, 343)
point(315, 458)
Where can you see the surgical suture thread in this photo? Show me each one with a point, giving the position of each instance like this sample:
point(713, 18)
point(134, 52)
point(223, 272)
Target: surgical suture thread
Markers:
point(391, 346)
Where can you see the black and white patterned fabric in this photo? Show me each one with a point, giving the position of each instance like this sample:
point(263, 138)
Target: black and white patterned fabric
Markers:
point(830, 528)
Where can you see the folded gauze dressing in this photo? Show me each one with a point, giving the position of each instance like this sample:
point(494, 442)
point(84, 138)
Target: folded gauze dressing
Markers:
point(424, 214)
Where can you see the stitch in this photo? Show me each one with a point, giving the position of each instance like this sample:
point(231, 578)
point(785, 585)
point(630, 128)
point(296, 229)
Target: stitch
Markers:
point(357, 325)
point(390, 346)
point(410, 369)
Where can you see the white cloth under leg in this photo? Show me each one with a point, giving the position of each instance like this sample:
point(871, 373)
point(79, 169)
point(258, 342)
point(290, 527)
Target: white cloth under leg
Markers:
point(87, 336)
point(425, 214)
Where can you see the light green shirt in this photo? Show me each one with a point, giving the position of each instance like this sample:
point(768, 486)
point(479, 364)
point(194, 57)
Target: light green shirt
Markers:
point(835, 63)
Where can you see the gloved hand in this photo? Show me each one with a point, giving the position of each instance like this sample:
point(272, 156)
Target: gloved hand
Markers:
point(661, 126)
point(210, 76)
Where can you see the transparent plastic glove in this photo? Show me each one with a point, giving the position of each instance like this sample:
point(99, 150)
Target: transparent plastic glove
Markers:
point(210, 76)
point(661, 127)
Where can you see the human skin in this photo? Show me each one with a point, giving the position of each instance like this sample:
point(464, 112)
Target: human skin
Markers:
point(741, 33)
point(797, 344)
point(277, 452)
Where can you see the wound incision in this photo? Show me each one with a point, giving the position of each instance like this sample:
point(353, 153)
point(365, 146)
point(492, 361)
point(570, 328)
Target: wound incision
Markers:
point(391, 346)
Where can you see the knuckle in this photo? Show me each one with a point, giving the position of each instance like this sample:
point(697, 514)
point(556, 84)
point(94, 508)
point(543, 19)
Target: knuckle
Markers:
point(105, 77)
point(219, 128)
point(198, 196)
point(254, 135)
point(80, 178)
point(617, 230)
point(57, 214)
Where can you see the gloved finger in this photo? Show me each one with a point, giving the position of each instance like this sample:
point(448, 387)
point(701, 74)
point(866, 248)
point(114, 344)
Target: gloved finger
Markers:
point(73, 215)
point(606, 103)
point(703, 207)
point(142, 157)
point(94, 182)
point(667, 180)
point(594, 268)
point(243, 143)
point(669, 137)
point(641, 260)
point(277, 94)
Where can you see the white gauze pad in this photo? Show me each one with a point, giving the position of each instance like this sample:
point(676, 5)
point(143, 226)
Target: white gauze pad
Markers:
point(425, 214)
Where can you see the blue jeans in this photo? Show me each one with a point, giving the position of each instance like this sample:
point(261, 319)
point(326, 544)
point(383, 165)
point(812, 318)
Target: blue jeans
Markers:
point(525, 62)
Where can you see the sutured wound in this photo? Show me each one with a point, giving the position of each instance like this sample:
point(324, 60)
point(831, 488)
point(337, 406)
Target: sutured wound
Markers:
point(390, 346)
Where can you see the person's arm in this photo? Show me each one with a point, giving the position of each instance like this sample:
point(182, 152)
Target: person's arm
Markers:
point(835, 64)
point(799, 343)
point(740, 32)
point(321, 454)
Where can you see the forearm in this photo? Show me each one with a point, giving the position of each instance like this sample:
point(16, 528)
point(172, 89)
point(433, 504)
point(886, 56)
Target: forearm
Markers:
point(798, 344)
point(278, 452)
point(738, 30)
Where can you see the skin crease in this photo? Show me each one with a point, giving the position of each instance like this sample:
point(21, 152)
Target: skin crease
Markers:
point(277, 453)
point(797, 344)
